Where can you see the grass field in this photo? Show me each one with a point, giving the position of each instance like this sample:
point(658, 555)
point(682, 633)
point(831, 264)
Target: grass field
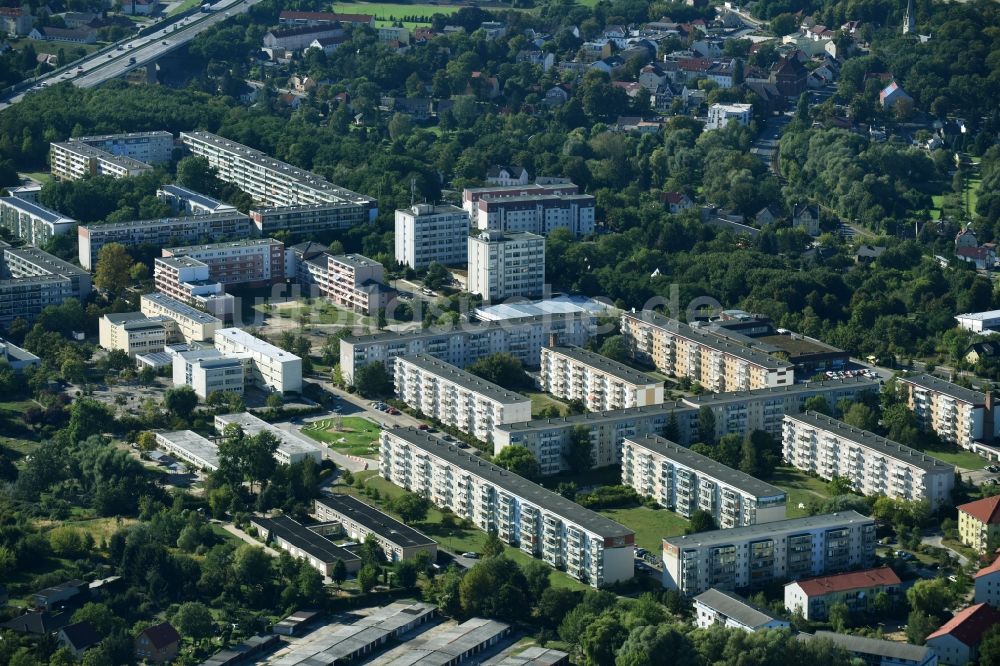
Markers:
point(357, 437)
point(801, 489)
point(386, 12)
point(649, 525)
point(963, 459)
point(184, 6)
point(38, 176)
point(541, 400)
point(317, 313)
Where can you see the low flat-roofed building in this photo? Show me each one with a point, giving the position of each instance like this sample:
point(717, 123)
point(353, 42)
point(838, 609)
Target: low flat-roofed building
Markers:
point(549, 306)
point(133, 333)
point(190, 447)
point(813, 597)
point(18, 359)
point(31, 221)
point(980, 322)
point(294, 622)
point(728, 609)
point(291, 447)
point(209, 371)
point(304, 543)
point(876, 652)
point(602, 384)
point(448, 643)
point(398, 541)
point(535, 655)
point(183, 201)
point(192, 324)
point(272, 368)
point(680, 479)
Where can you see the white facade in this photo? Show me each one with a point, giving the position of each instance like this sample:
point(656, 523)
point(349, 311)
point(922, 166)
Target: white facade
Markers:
point(291, 448)
point(426, 233)
point(254, 261)
point(133, 333)
point(590, 547)
point(190, 447)
point(957, 414)
point(537, 214)
point(980, 322)
point(192, 324)
point(272, 368)
point(684, 481)
point(506, 265)
point(874, 465)
point(573, 373)
point(73, 160)
point(716, 607)
point(754, 556)
point(457, 398)
point(987, 584)
point(354, 282)
point(31, 221)
point(149, 147)
point(720, 115)
point(208, 371)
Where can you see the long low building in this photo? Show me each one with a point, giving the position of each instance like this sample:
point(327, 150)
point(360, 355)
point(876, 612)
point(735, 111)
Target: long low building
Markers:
point(28, 261)
point(683, 351)
point(680, 479)
point(573, 373)
point(305, 543)
point(757, 555)
point(590, 547)
point(291, 448)
point(310, 218)
point(32, 280)
point(183, 201)
point(466, 343)
point(448, 644)
point(456, 397)
point(398, 541)
point(31, 221)
point(717, 607)
point(272, 368)
point(959, 415)
point(877, 652)
point(73, 160)
point(814, 597)
point(874, 465)
point(192, 324)
point(190, 447)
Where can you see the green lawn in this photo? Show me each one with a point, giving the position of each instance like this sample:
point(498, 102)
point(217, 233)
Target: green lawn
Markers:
point(184, 6)
point(801, 489)
point(960, 458)
point(319, 312)
point(385, 12)
point(541, 400)
point(352, 435)
point(649, 525)
point(42, 177)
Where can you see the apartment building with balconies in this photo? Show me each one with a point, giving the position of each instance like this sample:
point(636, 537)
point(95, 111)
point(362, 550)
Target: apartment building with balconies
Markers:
point(73, 160)
point(457, 398)
point(25, 297)
point(466, 343)
point(192, 324)
point(979, 524)
point(680, 350)
point(543, 524)
point(957, 414)
point(155, 147)
point(537, 213)
point(472, 195)
point(573, 373)
point(187, 280)
point(31, 221)
point(683, 481)
point(813, 597)
point(873, 464)
point(183, 201)
point(506, 265)
point(252, 262)
point(311, 218)
point(427, 234)
point(355, 282)
point(758, 555)
point(28, 262)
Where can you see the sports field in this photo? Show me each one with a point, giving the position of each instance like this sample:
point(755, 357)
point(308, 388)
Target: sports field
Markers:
point(387, 12)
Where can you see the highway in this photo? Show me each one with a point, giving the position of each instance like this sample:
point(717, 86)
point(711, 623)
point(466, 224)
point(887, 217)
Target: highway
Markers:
point(130, 54)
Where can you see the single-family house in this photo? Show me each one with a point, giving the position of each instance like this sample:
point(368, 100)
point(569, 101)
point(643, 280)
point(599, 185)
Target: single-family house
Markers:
point(596, 50)
point(79, 637)
point(555, 96)
point(652, 76)
point(789, 76)
point(505, 176)
point(892, 95)
point(157, 644)
point(867, 254)
point(676, 201)
point(617, 35)
point(966, 238)
point(611, 65)
point(983, 257)
point(979, 351)
point(806, 217)
point(767, 215)
point(15, 21)
point(662, 98)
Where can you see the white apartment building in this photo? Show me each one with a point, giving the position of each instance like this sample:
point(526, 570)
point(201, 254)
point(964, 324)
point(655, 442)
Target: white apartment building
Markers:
point(190, 447)
point(684, 481)
point(133, 333)
point(813, 597)
point(252, 262)
point(573, 373)
point(682, 351)
point(506, 265)
point(271, 368)
point(957, 414)
point(987, 584)
point(161, 232)
point(538, 214)
point(27, 261)
point(187, 280)
point(183, 201)
point(209, 370)
point(73, 160)
point(465, 344)
point(269, 181)
point(311, 218)
point(354, 282)
point(875, 465)
point(713, 607)
point(26, 297)
point(757, 555)
point(426, 233)
point(149, 147)
point(720, 115)
point(588, 546)
point(457, 398)
point(192, 324)
point(291, 448)
point(472, 195)
point(32, 222)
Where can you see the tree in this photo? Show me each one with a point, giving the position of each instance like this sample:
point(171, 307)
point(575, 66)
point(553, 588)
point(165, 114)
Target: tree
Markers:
point(933, 596)
point(274, 401)
point(437, 276)
point(784, 24)
point(197, 174)
point(194, 620)
point(372, 381)
point(647, 645)
point(579, 454)
point(181, 401)
point(400, 126)
point(600, 640)
point(989, 648)
point(817, 403)
point(537, 574)
point(503, 370)
point(406, 573)
point(839, 485)
point(410, 507)
point(339, 572)
point(99, 615)
point(919, 625)
point(519, 460)
point(113, 271)
point(493, 546)
point(615, 348)
point(701, 521)
point(367, 577)
point(87, 417)
point(861, 416)
point(839, 616)
point(251, 565)
point(706, 424)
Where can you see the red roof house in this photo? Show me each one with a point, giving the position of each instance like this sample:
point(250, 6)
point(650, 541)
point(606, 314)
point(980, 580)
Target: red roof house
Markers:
point(957, 642)
point(857, 589)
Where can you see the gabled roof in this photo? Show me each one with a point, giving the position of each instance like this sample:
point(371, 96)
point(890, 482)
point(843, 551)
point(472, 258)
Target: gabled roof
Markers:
point(990, 568)
point(974, 252)
point(41, 622)
point(855, 580)
point(81, 635)
point(675, 197)
point(985, 510)
point(161, 635)
point(969, 625)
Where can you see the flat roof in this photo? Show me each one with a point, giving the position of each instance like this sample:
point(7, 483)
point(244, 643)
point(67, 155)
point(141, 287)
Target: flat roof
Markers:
point(557, 305)
point(932, 383)
point(979, 316)
point(254, 344)
point(709, 340)
point(497, 237)
point(532, 656)
point(303, 538)
point(87, 150)
point(432, 209)
point(196, 445)
point(468, 328)
point(894, 650)
point(34, 255)
point(123, 317)
point(101, 138)
point(445, 644)
point(798, 345)
point(870, 440)
point(604, 364)
point(551, 188)
point(194, 197)
point(764, 530)
point(859, 383)
point(355, 260)
point(533, 198)
point(734, 606)
point(466, 380)
point(372, 519)
point(727, 475)
point(180, 308)
point(195, 220)
point(545, 500)
point(207, 247)
point(288, 442)
point(596, 417)
point(179, 261)
point(37, 210)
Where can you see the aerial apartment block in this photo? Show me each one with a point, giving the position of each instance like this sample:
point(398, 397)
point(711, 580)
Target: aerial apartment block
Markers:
point(272, 368)
point(150, 147)
point(187, 280)
point(31, 280)
point(455, 397)
point(466, 343)
point(252, 262)
point(310, 218)
point(506, 265)
point(183, 201)
point(813, 597)
point(31, 221)
point(192, 324)
point(27, 261)
point(160, 233)
point(588, 546)
point(472, 195)
point(268, 181)
point(683, 351)
point(684, 481)
point(757, 555)
point(209, 371)
point(979, 523)
point(358, 520)
point(354, 282)
point(874, 465)
point(573, 373)
point(133, 333)
point(116, 155)
point(291, 448)
point(538, 214)
point(959, 415)
point(426, 233)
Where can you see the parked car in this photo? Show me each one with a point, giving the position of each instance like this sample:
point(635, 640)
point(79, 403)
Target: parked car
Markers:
point(470, 555)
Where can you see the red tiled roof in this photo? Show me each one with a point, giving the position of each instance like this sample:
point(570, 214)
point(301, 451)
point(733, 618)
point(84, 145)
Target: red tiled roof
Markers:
point(854, 580)
point(984, 510)
point(969, 625)
point(694, 64)
point(162, 635)
point(989, 568)
point(975, 253)
point(674, 197)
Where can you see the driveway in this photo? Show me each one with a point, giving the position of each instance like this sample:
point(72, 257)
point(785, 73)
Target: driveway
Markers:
point(936, 541)
point(240, 534)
